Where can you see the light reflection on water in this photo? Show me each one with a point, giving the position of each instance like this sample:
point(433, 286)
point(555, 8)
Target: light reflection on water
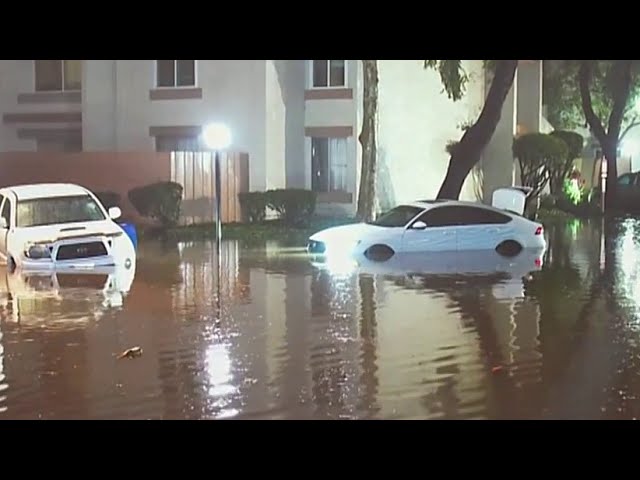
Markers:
point(281, 336)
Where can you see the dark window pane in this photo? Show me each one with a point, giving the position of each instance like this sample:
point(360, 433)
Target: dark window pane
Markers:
point(171, 143)
point(6, 212)
point(186, 73)
point(448, 216)
point(337, 73)
point(48, 75)
point(166, 73)
point(320, 73)
point(72, 74)
point(398, 217)
point(479, 216)
point(320, 164)
point(72, 143)
point(440, 217)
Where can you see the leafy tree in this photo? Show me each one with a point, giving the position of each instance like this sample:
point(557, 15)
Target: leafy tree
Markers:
point(467, 152)
point(599, 94)
point(538, 154)
point(559, 171)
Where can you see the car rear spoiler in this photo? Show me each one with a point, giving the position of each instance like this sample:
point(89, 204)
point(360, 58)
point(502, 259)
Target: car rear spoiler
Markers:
point(512, 199)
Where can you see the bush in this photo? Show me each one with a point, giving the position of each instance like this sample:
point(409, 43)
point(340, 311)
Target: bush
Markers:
point(254, 206)
point(160, 201)
point(538, 154)
point(573, 140)
point(294, 206)
point(572, 191)
point(109, 199)
point(560, 171)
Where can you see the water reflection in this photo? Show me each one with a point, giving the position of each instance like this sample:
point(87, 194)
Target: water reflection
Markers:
point(33, 294)
point(273, 334)
point(3, 385)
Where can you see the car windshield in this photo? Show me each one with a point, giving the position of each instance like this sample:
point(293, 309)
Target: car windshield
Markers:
point(397, 217)
point(56, 210)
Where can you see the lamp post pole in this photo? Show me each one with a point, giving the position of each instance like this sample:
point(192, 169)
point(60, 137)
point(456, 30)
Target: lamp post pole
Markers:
point(217, 137)
point(218, 199)
point(603, 180)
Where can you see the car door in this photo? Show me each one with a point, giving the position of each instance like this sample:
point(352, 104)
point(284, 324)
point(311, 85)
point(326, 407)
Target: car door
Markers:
point(5, 209)
point(433, 231)
point(482, 228)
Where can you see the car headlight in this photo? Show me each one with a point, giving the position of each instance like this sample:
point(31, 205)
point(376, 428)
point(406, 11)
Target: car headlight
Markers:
point(37, 252)
point(339, 246)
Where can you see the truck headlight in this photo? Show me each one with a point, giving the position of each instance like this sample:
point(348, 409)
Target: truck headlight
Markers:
point(37, 252)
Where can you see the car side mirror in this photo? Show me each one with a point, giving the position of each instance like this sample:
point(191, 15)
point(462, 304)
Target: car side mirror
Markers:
point(3, 223)
point(419, 225)
point(115, 213)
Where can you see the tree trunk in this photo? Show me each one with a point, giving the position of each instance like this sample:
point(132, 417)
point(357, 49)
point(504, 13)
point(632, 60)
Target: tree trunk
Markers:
point(367, 138)
point(608, 139)
point(468, 152)
point(610, 152)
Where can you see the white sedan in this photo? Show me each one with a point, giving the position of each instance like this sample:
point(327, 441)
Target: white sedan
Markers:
point(438, 226)
point(60, 226)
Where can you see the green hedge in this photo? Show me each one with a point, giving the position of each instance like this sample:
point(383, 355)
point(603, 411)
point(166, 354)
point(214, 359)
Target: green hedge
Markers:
point(160, 201)
point(293, 206)
point(109, 199)
point(254, 206)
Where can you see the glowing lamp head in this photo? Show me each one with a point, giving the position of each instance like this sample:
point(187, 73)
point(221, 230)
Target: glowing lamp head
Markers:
point(216, 136)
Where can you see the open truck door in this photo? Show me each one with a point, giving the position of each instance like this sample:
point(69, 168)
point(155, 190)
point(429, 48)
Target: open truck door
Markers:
point(512, 199)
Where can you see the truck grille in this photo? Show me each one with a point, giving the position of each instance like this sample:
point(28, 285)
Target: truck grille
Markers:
point(81, 250)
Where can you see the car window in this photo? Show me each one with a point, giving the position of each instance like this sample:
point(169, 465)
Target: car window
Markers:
point(484, 216)
point(462, 215)
point(440, 217)
point(397, 217)
point(57, 210)
point(6, 212)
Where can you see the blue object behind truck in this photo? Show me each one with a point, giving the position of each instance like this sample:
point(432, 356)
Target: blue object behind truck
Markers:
point(130, 230)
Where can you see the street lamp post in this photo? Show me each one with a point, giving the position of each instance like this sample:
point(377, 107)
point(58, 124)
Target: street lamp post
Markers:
point(603, 181)
point(217, 137)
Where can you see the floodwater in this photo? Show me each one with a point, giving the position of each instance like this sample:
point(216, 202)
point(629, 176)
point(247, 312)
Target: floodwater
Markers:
point(466, 336)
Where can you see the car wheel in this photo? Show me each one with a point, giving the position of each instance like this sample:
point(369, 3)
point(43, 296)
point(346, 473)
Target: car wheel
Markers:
point(509, 248)
point(379, 252)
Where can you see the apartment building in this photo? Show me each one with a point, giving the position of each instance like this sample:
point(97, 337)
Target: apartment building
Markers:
point(297, 119)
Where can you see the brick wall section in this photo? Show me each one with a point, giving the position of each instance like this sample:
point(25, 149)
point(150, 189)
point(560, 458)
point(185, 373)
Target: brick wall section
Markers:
point(122, 171)
point(97, 171)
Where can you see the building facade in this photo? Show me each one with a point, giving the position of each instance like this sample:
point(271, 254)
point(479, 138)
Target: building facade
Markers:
point(298, 120)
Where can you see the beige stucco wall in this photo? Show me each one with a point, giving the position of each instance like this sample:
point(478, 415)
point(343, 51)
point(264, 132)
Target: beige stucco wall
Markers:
point(417, 119)
point(16, 77)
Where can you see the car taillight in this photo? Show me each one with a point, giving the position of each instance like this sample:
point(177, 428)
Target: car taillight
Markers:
point(539, 231)
point(538, 262)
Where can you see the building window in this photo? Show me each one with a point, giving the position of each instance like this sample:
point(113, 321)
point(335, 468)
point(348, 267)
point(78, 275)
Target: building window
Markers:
point(58, 75)
point(72, 143)
point(329, 73)
point(176, 73)
point(178, 143)
point(329, 164)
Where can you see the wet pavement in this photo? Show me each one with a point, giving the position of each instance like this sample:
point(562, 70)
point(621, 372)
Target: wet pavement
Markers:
point(281, 337)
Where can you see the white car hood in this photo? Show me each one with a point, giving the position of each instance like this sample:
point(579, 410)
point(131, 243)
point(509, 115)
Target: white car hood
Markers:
point(52, 233)
point(349, 233)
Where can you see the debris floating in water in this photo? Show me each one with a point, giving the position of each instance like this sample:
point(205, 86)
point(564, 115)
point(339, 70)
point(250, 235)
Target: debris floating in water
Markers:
point(131, 353)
